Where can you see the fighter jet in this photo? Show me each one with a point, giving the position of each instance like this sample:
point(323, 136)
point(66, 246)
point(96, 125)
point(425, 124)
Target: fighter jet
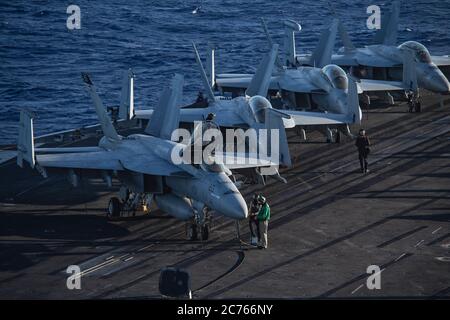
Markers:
point(317, 83)
point(384, 60)
point(144, 165)
point(249, 110)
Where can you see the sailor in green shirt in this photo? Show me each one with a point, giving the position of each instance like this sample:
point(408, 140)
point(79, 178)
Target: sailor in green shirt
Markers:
point(263, 218)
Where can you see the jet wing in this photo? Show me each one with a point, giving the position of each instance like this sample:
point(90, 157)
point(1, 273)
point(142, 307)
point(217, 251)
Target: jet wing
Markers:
point(305, 118)
point(380, 85)
point(367, 57)
point(106, 160)
point(297, 84)
point(344, 59)
point(242, 81)
point(287, 82)
point(362, 57)
point(68, 150)
point(225, 118)
point(100, 160)
point(243, 160)
point(151, 165)
point(441, 60)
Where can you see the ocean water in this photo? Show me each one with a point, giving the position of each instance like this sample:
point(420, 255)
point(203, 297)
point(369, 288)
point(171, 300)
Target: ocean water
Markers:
point(41, 60)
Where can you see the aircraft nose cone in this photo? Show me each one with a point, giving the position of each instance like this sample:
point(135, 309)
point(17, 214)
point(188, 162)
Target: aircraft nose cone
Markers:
point(439, 83)
point(442, 85)
point(234, 206)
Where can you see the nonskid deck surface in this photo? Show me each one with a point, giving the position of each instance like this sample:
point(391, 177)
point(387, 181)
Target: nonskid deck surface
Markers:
point(329, 223)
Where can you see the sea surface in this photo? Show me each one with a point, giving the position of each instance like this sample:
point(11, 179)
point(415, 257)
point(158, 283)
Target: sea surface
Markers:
point(41, 59)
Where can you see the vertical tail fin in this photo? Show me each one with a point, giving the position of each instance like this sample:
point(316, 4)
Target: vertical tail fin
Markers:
point(343, 34)
point(25, 143)
point(203, 74)
point(389, 26)
point(166, 116)
point(126, 109)
point(348, 44)
point(409, 71)
point(107, 127)
point(354, 110)
point(210, 66)
point(290, 28)
point(278, 62)
point(322, 54)
point(259, 85)
point(274, 121)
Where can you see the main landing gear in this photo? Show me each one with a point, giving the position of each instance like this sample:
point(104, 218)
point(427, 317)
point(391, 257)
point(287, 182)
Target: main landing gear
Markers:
point(127, 204)
point(414, 104)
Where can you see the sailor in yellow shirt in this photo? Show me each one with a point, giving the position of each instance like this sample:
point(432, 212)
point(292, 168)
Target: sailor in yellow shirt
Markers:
point(263, 219)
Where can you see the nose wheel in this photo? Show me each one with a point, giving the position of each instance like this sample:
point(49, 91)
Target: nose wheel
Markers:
point(414, 104)
point(199, 227)
point(114, 208)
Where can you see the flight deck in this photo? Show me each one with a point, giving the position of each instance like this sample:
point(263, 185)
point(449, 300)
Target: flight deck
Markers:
point(329, 224)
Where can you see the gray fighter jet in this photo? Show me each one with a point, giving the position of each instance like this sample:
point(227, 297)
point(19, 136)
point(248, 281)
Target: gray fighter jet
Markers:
point(144, 165)
point(249, 110)
point(318, 83)
point(384, 60)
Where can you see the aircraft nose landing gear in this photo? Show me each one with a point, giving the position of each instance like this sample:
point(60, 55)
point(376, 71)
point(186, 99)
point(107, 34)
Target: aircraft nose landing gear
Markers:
point(413, 102)
point(199, 226)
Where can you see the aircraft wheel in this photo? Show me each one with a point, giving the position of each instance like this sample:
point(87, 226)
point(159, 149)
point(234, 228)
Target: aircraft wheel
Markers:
point(114, 208)
point(338, 137)
point(192, 232)
point(418, 107)
point(205, 232)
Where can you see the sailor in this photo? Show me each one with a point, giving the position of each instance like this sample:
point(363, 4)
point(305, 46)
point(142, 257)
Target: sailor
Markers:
point(209, 122)
point(253, 221)
point(200, 97)
point(410, 98)
point(263, 219)
point(363, 143)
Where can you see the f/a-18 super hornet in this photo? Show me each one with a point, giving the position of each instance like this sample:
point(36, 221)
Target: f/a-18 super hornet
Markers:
point(145, 165)
point(316, 83)
point(249, 110)
point(384, 60)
